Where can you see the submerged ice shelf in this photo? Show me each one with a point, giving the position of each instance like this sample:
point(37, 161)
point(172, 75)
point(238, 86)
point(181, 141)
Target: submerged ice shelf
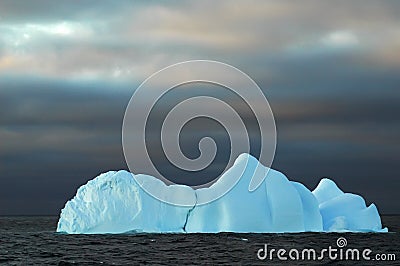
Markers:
point(114, 202)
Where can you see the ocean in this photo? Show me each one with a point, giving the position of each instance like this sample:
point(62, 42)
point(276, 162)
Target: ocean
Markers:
point(32, 240)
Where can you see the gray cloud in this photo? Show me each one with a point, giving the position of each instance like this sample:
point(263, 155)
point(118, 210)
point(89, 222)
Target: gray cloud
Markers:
point(134, 40)
point(67, 71)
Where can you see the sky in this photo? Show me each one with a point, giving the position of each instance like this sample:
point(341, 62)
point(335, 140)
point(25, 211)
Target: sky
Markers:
point(330, 71)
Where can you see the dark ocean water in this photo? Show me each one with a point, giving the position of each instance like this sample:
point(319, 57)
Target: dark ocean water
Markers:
point(32, 241)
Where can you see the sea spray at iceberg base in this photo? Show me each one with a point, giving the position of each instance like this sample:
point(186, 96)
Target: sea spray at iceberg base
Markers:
point(115, 202)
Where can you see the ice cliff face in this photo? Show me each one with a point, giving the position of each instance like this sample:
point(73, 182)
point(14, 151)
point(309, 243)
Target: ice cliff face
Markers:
point(114, 202)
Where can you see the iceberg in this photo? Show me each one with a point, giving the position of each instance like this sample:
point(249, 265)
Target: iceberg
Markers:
point(345, 211)
point(115, 202)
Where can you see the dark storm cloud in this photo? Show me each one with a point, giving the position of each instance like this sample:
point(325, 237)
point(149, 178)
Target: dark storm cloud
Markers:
point(63, 133)
point(41, 102)
point(54, 133)
point(68, 69)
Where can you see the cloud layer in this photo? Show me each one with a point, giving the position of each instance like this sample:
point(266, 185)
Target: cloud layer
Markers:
point(67, 71)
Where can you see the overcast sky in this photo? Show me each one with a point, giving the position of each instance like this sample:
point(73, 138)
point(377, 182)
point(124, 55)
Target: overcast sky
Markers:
point(330, 70)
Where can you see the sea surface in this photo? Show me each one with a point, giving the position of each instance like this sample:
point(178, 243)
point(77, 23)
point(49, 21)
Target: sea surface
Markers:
point(33, 241)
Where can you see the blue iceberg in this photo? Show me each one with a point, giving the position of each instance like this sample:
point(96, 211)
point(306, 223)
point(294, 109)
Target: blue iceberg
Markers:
point(115, 202)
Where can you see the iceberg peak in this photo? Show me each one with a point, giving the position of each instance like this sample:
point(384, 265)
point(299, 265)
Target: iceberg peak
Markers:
point(326, 190)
